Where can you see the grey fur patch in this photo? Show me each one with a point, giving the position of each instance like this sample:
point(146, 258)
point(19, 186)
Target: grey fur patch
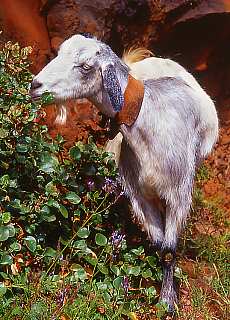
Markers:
point(161, 158)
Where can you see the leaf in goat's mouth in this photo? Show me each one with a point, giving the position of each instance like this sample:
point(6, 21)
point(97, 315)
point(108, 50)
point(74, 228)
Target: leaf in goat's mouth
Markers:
point(47, 98)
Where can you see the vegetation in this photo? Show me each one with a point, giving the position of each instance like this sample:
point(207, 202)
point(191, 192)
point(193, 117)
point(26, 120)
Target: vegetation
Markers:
point(59, 253)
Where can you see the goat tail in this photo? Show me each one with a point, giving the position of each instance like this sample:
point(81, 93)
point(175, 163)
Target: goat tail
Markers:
point(210, 137)
point(133, 55)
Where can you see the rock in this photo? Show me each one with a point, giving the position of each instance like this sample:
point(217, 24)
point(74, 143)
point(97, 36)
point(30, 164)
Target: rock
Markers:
point(184, 10)
point(21, 21)
point(225, 139)
point(68, 17)
point(55, 43)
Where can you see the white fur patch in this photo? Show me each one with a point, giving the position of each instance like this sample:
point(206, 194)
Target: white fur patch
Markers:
point(61, 114)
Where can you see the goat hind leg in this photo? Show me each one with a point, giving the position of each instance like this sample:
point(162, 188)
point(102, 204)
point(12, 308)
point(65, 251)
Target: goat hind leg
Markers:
point(168, 293)
point(175, 219)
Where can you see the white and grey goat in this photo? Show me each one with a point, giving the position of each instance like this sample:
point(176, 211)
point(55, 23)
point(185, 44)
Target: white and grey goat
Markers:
point(175, 129)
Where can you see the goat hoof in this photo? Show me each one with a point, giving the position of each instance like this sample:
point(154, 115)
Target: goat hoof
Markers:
point(170, 307)
point(170, 300)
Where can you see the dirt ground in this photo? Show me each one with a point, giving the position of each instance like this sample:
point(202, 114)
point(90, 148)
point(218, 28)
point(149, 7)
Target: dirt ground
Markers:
point(208, 222)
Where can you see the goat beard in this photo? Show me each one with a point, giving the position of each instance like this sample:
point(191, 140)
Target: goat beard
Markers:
point(61, 114)
point(62, 108)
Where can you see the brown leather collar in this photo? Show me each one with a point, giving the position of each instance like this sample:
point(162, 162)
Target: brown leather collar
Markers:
point(133, 97)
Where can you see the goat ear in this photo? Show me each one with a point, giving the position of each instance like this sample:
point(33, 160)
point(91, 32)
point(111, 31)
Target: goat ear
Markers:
point(112, 87)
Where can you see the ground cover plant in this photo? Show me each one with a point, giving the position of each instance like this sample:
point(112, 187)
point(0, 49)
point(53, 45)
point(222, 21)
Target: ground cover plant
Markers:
point(60, 255)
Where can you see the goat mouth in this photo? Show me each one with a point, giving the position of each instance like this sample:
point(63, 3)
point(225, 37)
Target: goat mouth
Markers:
point(35, 95)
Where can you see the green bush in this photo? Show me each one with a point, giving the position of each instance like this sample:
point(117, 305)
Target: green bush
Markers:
point(54, 210)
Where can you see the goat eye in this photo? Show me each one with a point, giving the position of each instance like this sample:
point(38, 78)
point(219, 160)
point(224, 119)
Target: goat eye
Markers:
point(86, 67)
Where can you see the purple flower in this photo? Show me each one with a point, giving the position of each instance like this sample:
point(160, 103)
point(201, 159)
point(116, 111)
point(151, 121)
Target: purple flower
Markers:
point(112, 186)
point(90, 184)
point(109, 185)
point(125, 284)
point(116, 239)
point(61, 296)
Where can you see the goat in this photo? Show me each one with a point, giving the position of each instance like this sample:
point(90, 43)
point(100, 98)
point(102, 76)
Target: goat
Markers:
point(166, 133)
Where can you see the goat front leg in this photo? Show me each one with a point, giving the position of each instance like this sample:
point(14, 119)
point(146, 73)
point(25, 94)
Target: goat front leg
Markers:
point(168, 293)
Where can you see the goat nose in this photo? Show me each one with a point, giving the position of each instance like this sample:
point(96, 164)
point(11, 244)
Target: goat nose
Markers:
point(35, 84)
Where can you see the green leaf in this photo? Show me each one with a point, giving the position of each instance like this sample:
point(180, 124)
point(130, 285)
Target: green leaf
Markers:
point(50, 218)
point(31, 243)
point(2, 289)
point(102, 286)
point(132, 270)
point(60, 207)
point(53, 203)
point(100, 239)
point(80, 244)
point(83, 233)
point(128, 257)
point(4, 275)
point(102, 268)
point(147, 273)
point(22, 148)
point(47, 98)
point(6, 217)
point(106, 297)
point(3, 133)
point(136, 270)
point(115, 270)
point(97, 218)
point(49, 163)
point(117, 282)
point(63, 211)
point(138, 251)
point(11, 229)
point(4, 233)
point(15, 246)
point(73, 197)
point(6, 259)
point(50, 252)
point(47, 215)
point(91, 260)
point(51, 189)
point(79, 271)
point(152, 261)
point(75, 153)
point(151, 292)
point(5, 180)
